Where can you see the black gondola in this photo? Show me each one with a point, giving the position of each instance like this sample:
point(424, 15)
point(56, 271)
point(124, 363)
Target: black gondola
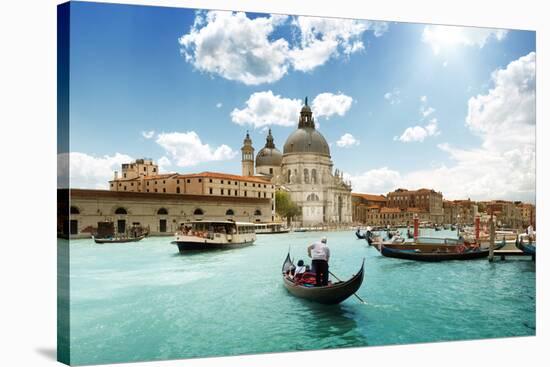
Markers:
point(360, 236)
point(419, 255)
point(330, 294)
point(117, 240)
point(529, 249)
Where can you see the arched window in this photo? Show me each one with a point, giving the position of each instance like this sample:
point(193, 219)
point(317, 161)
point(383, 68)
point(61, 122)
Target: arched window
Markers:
point(162, 211)
point(314, 176)
point(198, 211)
point(312, 197)
point(229, 212)
point(306, 175)
point(257, 212)
point(288, 177)
point(74, 210)
point(121, 211)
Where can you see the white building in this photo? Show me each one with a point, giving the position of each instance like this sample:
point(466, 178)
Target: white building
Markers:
point(305, 169)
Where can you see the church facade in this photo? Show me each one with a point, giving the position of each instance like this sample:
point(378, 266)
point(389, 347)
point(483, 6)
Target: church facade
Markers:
point(305, 170)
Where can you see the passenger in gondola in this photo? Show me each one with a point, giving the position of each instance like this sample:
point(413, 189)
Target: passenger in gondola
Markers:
point(320, 255)
point(299, 270)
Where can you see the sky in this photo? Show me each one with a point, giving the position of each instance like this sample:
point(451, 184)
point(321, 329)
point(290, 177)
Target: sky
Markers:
point(401, 104)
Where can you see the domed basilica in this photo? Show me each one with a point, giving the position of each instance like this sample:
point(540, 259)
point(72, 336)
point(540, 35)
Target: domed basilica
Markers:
point(305, 170)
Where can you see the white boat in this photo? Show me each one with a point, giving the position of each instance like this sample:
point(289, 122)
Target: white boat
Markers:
point(270, 228)
point(204, 235)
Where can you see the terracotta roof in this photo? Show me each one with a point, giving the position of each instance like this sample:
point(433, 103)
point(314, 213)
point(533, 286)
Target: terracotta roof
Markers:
point(227, 176)
point(370, 197)
point(415, 210)
point(373, 207)
point(151, 177)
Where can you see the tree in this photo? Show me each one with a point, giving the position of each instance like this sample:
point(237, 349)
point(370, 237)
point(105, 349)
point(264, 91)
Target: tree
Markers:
point(285, 207)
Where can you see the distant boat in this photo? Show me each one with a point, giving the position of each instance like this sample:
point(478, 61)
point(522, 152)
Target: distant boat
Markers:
point(117, 239)
point(205, 235)
point(419, 253)
point(270, 228)
point(331, 294)
point(360, 236)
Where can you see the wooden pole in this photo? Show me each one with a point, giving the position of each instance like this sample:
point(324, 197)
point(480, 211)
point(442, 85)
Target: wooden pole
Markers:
point(477, 220)
point(415, 227)
point(491, 239)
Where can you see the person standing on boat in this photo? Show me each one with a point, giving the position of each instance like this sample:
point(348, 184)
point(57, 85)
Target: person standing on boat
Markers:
point(320, 255)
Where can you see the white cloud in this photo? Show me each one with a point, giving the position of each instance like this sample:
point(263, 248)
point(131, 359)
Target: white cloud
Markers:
point(426, 111)
point(393, 96)
point(239, 48)
point(376, 181)
point(419, 133)
point(265, 108)
point(87, 171)
point(502, 167)
point(328, 104)
point(236, 47)
point(423, 99)
point(219, 105)
point(163, 164)
point(186, 149)
point(347, 140)
point(323, 38)
point(440, 37)
point(148, 134)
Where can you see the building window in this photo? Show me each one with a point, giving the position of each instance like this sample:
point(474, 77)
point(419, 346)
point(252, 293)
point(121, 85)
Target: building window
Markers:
point(235, 183)
point(178, 190)
point(131, 184)
point(121, 211)
point(271, 171)
point(156, 190)
point(124, 188)
point(257, 212)
point(229, 182)
point(111, 185)
point(198, 211)
point(210, 190)
point(210, 180)
point(156, 182)
point(259, 194)
point(147, 183)
point(163, 181)
point(162, 211)
point(265, 194)
point(236, 193)
point(222, 181)
point(74, 210)
point(228, 191)
point(124, 175)
point(253, 185)
point(147, 190)
point(177, 182)
point(154, 169)
point(229, 212)
point(245, 193)
point(245, 184)
point(314, 176)
point(221, 191)
point(188, 181)
point(200, 179)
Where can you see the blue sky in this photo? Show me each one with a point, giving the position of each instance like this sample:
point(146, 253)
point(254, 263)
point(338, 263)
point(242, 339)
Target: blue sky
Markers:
point(138, 91)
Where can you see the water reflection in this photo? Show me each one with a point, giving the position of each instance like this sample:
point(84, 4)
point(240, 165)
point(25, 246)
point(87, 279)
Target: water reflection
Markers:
point(329, 327)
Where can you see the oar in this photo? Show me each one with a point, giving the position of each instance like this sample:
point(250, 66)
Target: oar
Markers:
point(355, 294)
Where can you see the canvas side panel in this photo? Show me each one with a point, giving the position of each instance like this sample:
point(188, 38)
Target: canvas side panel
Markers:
point(63, 220)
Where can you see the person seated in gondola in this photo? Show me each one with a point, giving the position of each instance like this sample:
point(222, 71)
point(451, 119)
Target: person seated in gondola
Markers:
point(300, 269)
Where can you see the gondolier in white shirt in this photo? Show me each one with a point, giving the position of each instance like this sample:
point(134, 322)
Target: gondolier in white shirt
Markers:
point(320, 255)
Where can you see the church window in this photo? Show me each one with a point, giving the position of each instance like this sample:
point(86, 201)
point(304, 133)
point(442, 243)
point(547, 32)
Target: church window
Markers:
point(306, 175)
point(314, 176)
point(288, 178)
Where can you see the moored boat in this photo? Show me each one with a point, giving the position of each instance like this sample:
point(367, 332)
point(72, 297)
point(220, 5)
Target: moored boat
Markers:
point(205, 235)
point(117, 239)
point(444, 253)
point(529, 248)
point(331, 294)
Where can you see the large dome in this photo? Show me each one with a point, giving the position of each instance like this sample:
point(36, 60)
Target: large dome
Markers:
point(269, 155)
point(306, 139)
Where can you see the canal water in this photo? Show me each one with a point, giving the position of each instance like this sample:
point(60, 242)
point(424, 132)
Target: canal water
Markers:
point(145, 301)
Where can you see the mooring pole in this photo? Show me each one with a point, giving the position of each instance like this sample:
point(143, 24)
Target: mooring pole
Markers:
point(477, 222)
point(491, 238)
point(415, 227)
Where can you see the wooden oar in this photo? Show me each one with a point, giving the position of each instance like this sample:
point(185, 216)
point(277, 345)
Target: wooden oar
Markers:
point(355, 294)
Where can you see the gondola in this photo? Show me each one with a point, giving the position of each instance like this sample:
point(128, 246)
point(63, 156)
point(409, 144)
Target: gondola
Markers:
point(330, 294)
point(529, 248)
point(117, 240)
point(360, 236)
point(419, 255)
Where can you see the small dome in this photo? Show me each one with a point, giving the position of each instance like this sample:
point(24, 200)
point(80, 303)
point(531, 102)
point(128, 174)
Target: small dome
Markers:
point(269, 155)
point(306, 140)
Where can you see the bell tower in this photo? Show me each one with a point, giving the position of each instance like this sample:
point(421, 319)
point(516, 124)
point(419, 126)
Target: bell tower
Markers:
point(247, 161)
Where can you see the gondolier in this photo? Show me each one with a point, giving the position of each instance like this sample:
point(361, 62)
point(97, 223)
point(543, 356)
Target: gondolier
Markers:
point(320, 255)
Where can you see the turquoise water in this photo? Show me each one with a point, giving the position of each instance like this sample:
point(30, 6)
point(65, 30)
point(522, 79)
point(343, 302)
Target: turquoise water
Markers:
point(144, 301)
